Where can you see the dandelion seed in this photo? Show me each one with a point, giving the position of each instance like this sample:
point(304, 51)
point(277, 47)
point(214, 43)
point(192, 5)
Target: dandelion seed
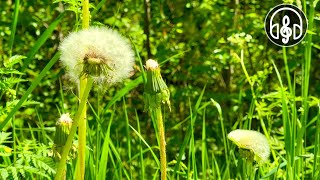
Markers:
point(98, 52)
point(253, 141)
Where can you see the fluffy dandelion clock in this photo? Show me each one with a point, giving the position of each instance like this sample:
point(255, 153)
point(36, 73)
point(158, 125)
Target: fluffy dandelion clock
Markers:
point(97, 52)
point(253, 141)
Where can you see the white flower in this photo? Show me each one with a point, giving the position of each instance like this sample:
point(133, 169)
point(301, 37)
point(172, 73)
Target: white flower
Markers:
point(98, 52)
point(253, 141)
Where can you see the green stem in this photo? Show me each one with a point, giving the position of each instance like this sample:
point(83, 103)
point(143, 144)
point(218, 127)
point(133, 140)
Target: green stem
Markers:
point(85, 14)
point(316, 164)
point(287, 68)
point(291, 122)
point(67, 146)
point(14, 25)
point(82, 132)
point(256, 103)
point(244, 68)
point(250, 169)
point(225, 141)
point(163, 157)
point(305, 84)
point(82, 121)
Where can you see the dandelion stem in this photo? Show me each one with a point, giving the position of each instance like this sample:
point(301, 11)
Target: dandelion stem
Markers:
point(82, 132)
point(85, 14)
point(163, 157)
point(67, 146)
point(157, 94)
point(82, 121)
point(250, 170)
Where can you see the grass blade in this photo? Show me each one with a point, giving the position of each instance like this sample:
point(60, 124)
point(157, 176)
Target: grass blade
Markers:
point(14, 25)
point(133, 84)
point(43, 38)
point(105, 152)
point(30, 89)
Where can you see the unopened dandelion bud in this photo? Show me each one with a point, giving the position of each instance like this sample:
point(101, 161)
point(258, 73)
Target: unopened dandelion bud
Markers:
point(63, 127)
point(255, 144)
point(156, 90)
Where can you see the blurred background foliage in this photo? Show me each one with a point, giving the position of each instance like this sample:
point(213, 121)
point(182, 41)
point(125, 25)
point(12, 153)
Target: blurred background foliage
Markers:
point(196, 40)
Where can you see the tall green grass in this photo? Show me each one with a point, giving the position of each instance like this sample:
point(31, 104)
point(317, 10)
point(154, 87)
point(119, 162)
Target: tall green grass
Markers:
point(132, 153)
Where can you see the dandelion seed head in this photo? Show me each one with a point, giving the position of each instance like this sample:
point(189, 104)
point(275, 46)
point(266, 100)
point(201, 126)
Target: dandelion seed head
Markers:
point(98, 52)
point(253, 141)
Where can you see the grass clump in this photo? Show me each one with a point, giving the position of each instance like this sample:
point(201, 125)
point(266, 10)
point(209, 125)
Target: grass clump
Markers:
point(219, 73)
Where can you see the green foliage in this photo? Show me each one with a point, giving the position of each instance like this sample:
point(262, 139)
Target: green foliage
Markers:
point(219, 45)
point(7, 82)
point(73, 5)
point(28, 162)
point(13, 60)
point(4, 149)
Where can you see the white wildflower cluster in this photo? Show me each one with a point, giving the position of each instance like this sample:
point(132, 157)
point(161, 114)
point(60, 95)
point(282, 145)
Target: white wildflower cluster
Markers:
point(98, 52)
point(253, 141)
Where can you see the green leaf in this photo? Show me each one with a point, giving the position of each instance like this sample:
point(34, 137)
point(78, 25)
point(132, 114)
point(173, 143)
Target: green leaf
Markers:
point(30, 89)
point(4, 136)
point(10, 71)
point(42, 39)
point(105, 152)
point(9, 82)
point(5, 151)
point(13, 60)
point(26, 103)
point(14, 24)
point(4, 173)
point(133, 84)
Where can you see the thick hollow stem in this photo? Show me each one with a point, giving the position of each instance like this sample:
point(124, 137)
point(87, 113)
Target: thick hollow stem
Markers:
point(85, 14)
point(67, 146)
point(83, 117)
point(82, 132)
point(163, 157)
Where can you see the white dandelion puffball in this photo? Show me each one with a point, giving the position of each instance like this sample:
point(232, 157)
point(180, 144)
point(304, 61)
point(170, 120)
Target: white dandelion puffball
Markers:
point(98, 52)
point(253, 141)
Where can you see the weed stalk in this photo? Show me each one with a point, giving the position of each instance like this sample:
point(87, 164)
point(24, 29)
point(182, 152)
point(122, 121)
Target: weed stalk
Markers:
point(67, 146)
point(83, 83)
point(156, 94)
